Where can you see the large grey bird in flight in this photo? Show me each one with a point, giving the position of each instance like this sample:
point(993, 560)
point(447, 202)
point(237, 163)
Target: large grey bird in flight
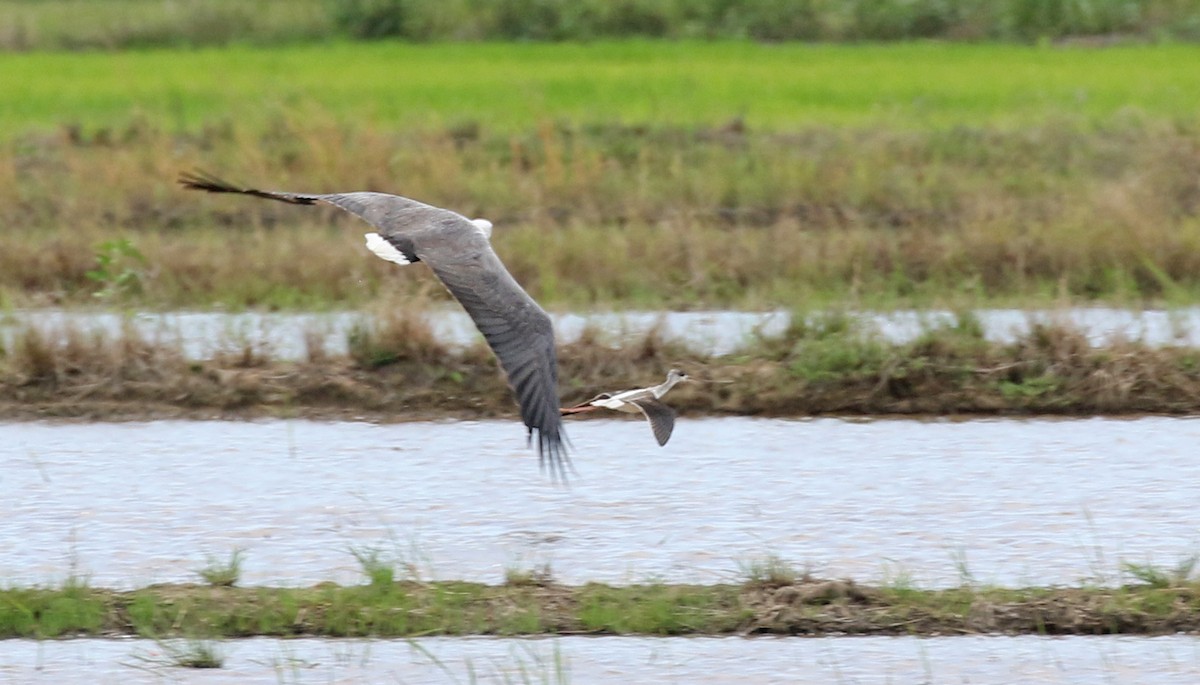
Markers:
point(460, 253)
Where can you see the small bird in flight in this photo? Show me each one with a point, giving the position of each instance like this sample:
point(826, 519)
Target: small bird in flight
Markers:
point(645, 400)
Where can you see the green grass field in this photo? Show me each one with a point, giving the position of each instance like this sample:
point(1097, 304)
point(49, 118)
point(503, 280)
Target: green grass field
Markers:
point(512, 87)
point(621, 174)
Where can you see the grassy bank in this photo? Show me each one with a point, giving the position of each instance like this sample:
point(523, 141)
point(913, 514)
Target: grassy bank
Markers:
point(802, 606)
point(115, 24)
point(769, 176)
point(398, 370)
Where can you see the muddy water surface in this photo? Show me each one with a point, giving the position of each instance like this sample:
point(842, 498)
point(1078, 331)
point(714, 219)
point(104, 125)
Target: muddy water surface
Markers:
point(579, 660)
point(1013, 502)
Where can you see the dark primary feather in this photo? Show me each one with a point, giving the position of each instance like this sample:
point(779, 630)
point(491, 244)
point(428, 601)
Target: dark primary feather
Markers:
point(518, 331)
point(522, 338)
point(660, 416)
point(200, 180)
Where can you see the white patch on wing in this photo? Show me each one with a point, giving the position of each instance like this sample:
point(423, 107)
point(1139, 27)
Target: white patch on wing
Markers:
point(484, 226)
point(385, 250)
point(609, 403)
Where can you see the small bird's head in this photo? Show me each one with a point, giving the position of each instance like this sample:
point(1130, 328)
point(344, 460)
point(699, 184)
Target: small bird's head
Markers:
point(676, 375)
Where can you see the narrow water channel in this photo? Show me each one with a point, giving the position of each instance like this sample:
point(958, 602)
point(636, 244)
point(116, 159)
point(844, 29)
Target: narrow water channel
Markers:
point(934, 503)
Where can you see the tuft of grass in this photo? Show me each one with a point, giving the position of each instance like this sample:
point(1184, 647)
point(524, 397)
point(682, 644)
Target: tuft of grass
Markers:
point(184, 653)
point(768, 572)
point(223, 574)
point(395, 334)
point(195, 654)
point(380, 569)
point(1181, 575)
point(538, 576)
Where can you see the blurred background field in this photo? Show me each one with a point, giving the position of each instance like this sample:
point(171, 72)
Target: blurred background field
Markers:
point(112, 24)
point(1042, 152)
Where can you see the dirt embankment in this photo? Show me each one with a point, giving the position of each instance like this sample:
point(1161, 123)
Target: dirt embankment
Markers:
point(397, 370)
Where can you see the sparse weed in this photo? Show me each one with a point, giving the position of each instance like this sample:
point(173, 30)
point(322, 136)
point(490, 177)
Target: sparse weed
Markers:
point(768, 571)
point(182, 653)
point(537, 576)
point(223, 574)
point(378, 571)
point(380, 568)
point(1153, 576)
point(393, 335)
point(120, 270)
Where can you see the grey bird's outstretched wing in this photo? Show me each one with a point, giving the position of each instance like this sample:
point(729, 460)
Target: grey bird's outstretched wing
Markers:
point(518, 331)
point(660, 416)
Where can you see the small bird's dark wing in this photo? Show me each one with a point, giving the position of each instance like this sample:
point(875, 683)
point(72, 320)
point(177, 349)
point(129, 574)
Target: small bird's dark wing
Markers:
point(660, 416)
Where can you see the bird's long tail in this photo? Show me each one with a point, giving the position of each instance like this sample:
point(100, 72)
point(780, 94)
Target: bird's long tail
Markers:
point(200, 180)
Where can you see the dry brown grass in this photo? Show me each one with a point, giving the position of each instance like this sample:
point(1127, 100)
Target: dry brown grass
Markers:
point(638, 217)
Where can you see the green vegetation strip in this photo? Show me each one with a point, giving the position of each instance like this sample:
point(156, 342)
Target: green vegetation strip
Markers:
point(805, 607)
point(511, 87)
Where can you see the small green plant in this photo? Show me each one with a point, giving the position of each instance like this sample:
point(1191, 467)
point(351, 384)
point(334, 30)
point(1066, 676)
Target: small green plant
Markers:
point(223, 574)
point(768, 571)
point(120, 269)
point(380, 572)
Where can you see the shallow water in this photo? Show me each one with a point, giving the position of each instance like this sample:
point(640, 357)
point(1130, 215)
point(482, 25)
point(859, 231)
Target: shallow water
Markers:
point(580, 660)
point(286, 335)
point(1013, 502)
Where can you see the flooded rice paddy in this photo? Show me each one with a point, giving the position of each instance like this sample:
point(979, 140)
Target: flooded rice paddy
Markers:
point(580, 660)
point(934, 503)
point(290, 335)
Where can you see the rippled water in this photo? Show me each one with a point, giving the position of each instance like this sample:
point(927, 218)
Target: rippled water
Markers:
point(580, 660)
point(715, 332)
point(1014, 502)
